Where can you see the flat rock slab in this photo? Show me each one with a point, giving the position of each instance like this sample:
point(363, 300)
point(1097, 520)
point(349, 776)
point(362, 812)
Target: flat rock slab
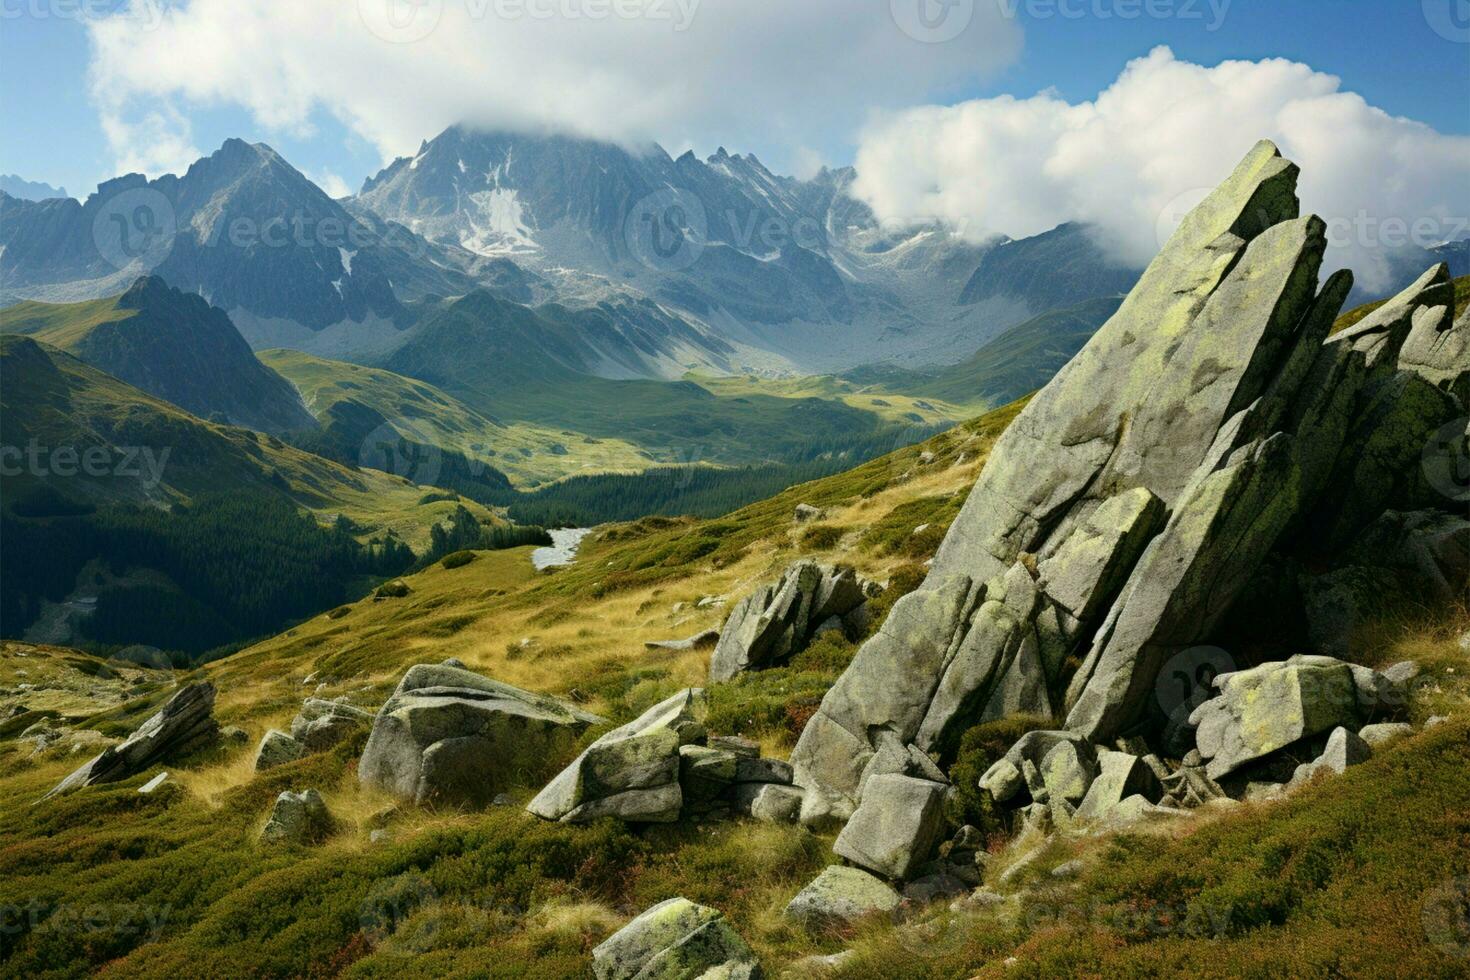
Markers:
point(840, 896)
point(184, 723)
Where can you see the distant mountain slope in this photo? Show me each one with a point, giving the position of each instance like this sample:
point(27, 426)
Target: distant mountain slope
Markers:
point(243, 228)
point(84, 436)
point(521, 365)
point(338, 393)
point(29, 190)
point(1023, 358)
point(170, 344)
point(799, 269)
point(1048, 271)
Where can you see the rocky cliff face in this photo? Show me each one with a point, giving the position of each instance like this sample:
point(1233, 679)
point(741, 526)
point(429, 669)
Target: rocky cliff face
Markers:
point(1120, 516)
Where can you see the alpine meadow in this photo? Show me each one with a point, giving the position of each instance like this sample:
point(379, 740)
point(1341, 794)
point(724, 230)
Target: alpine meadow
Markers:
point(735, 489)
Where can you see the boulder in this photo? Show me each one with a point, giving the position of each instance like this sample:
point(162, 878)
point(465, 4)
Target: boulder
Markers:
point(1005, 780)
point(1344, 749)
point(840, 896)
point(184, 724)
point(451, 736)
point(806, 513)
point(766, 802)
point(1270, 707)
point(780, 619)
point(297, 818)
point(322, 724)
point(632, 772)
point(276, 749)
point(896, 827)
point(674, 940)
point(1376, 735)
point(1120, 775)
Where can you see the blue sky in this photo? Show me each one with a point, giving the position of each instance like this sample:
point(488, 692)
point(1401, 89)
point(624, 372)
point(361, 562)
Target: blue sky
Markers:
point(1384, 50)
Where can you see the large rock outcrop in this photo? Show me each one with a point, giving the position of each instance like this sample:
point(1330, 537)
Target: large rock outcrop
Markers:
point(1135, 497)
point(779, 619)
point(185, 723)
point(451, 736)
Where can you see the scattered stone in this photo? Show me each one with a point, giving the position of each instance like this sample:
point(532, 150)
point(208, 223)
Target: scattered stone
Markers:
point(451, 736)
point(322, 724)
point(1267, 708)
point(767, 802)
point(1344, 749)
point(896, 826)
point(379, 836)
point(297, 818)
point(153, 783)
point(710, 601)
point(237, 736)
point(780, 619)
point(276, 749)
point(396, 589)
point(814, 964)
point(1067, 870)
point(674, 939)
point(454, 662)
point(698, 641)
point(632, 772)
point(1376, 735)
point(806, 513)
point(185, 723)
point(1434, 721)
point(1120, 775)
point(841, 896)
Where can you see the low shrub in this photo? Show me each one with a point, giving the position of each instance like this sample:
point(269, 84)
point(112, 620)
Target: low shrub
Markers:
point(458, 560)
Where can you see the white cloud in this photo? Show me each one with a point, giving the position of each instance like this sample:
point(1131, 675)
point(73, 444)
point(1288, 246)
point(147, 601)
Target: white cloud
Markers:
point(330, 182)
point(1135, 158)
point(744, 73)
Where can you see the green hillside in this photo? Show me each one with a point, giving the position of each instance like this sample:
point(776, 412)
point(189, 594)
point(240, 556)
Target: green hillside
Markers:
point(529, 454)
point(518, 365)
point(173, 345)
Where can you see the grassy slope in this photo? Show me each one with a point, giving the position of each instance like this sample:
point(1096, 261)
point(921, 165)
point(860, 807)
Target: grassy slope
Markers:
point(528, 454)
point(57, 400)
point(61, 324)
point(1332, 882)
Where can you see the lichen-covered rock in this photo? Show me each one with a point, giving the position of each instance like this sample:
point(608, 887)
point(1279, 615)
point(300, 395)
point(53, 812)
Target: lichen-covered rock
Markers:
point(632, 772)
point(896, 826)
point(1120, 775)
point(1438, 350)
point(674, 940)
point(1005, 780)
point(451, 736)
point(780, 619)
point(322, 724)
point(297, 818)
point(766, 802)
point(185, 723)
point(1383, 732)
point(840, 896)
point(1270, 707)
point(276, 749)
